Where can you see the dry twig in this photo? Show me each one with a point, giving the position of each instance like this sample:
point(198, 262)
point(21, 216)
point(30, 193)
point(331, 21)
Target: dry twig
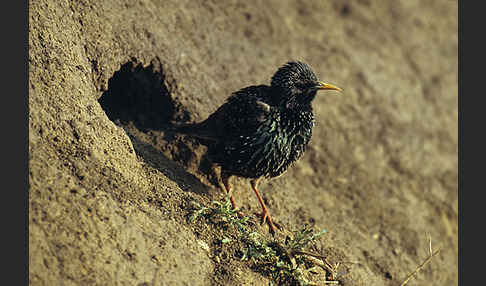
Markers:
point(322, 262)
point(427, 260)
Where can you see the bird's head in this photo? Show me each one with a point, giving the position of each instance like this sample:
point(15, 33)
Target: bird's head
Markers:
point(296, 85)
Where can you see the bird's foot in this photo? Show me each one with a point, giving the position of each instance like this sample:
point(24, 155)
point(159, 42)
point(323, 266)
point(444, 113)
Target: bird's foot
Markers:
point(236, 209)
point(239, 213)
point(266, 218)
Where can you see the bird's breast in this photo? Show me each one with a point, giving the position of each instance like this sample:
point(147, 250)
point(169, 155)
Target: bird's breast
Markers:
point(269, 149)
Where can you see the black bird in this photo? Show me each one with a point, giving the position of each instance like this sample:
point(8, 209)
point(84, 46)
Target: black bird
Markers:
point(261, 130)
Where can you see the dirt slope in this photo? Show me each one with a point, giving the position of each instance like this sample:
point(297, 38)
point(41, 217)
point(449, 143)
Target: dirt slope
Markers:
point(109, 189)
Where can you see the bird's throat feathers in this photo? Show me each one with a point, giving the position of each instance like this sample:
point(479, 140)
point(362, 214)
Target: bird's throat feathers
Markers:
point(299, 102)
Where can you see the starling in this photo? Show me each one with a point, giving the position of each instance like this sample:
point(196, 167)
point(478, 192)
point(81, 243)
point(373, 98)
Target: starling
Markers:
point(261, 130)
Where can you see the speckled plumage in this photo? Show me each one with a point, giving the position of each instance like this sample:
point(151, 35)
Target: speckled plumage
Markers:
point(261, 130)
point(262, 139)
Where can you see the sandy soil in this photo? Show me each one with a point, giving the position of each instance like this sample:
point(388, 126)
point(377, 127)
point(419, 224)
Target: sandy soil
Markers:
point(109, 189)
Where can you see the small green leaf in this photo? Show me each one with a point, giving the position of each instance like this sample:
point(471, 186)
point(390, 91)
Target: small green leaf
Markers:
point(225, 240)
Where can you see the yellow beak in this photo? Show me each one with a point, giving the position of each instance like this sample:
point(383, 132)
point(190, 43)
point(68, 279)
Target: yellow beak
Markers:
point(323, 85)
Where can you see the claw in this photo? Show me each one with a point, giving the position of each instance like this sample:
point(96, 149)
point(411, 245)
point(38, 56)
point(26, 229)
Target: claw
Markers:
point(266, 215)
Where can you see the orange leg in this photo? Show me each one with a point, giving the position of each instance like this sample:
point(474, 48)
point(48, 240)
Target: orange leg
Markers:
point(265, 213)
point(225, 178)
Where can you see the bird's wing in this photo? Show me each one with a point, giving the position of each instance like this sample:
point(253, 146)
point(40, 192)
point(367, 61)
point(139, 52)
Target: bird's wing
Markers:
point(242, 113)
point(246, 109)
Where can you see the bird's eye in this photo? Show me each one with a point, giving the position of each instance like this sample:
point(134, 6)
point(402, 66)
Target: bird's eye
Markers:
point(300, 85)
point(303, 86)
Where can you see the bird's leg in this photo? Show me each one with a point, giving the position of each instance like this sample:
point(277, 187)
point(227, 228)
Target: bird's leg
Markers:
point(225, 178)
point(265, 214)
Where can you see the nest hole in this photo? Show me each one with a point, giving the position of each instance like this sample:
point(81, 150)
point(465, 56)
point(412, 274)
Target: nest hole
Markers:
point(139, 95)
point(139, 100)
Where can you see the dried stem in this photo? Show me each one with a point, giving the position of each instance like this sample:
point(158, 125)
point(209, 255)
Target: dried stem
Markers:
point(427, 260)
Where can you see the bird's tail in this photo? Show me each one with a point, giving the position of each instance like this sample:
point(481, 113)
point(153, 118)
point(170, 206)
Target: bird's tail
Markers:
point(197, 130)
point(183, 128)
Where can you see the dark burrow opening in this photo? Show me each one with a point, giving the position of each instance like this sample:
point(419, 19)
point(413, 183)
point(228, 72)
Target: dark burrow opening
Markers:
point(139, 95)
point(139, 100)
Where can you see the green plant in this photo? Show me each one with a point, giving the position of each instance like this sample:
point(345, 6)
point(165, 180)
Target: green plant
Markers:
point(284, 262)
